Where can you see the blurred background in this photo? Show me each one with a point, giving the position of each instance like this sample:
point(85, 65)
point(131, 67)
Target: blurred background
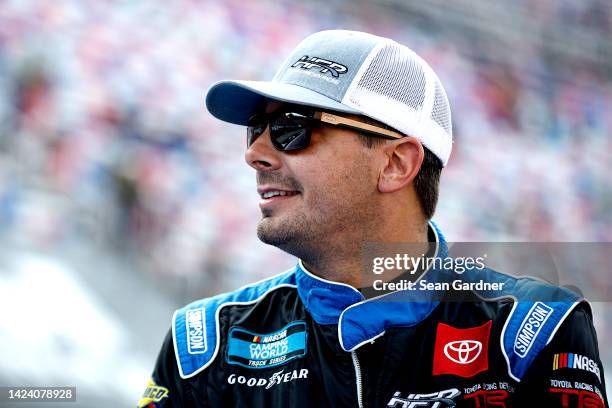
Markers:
point(122, 199)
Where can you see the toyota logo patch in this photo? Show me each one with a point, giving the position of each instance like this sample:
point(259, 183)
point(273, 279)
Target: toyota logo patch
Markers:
point(461, 352)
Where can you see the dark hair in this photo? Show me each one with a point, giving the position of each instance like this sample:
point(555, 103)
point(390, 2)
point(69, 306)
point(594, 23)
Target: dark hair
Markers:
point(427, 180)
point(427, 183)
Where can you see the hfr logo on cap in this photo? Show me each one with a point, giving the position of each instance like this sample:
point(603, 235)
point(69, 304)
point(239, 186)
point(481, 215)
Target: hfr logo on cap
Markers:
point(325, 66)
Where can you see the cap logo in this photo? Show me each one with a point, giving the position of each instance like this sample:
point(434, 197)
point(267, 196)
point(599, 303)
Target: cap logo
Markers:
point(324, 66)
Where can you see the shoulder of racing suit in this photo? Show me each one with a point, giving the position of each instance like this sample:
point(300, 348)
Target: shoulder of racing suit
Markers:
point(195, 327)
point(539, 309)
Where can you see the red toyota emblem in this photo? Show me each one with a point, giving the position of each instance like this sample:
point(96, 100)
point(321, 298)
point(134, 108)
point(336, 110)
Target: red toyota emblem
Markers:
point(462, 352)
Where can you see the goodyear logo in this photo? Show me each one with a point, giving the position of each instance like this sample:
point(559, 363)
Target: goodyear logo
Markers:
point(153, 394)
point(576, 361)
point(530, 328)
point(256, 350)
point(196, 331)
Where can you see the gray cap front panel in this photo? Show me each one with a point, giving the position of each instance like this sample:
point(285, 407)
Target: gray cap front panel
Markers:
point(327, 62)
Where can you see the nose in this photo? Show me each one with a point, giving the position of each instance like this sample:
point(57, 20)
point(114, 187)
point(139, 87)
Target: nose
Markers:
point(262, 155)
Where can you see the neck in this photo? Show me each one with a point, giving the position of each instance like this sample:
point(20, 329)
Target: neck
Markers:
point(344, 262)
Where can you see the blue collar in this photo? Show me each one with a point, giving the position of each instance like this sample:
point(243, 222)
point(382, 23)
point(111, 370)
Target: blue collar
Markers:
point(359, 320)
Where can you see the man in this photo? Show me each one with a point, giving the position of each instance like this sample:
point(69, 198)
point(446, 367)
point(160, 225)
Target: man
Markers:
point(348, 141)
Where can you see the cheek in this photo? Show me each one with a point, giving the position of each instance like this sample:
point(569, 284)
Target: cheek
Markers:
point(338, 179)
point(335, 171)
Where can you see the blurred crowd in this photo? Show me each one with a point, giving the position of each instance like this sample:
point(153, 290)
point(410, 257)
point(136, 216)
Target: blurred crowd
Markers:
point(104, 137)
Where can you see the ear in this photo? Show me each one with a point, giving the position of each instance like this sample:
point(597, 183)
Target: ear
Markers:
point(403, 161)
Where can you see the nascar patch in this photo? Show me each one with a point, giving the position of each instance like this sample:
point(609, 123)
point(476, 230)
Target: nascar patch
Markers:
point(256, 350)
point(576, 361)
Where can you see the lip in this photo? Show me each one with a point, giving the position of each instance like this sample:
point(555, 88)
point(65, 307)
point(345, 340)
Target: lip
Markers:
point(266, 202)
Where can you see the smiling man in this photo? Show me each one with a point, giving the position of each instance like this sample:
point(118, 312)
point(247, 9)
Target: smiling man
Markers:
point(348, 142)
point(306, 194)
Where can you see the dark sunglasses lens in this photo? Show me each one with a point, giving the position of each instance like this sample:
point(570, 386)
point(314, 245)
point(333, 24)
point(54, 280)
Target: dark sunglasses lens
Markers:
point(289, 133)
point(253, 132)
point(255, 127)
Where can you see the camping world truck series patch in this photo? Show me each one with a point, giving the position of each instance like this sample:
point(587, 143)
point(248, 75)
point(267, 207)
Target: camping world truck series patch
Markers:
point(256, 350)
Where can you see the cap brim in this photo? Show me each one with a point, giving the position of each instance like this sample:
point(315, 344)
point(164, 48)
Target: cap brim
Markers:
point(236, 101)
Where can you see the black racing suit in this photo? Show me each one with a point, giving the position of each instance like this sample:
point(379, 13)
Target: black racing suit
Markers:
point(296, 340)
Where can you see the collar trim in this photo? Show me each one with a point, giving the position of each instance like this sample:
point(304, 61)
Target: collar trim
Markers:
point(359, 320)
point(365, 321)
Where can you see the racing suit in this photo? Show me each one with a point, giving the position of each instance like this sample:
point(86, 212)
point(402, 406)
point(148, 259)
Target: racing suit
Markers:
point(297, 340)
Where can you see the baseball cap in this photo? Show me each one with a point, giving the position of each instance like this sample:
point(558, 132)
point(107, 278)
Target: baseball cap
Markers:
point(350, 72)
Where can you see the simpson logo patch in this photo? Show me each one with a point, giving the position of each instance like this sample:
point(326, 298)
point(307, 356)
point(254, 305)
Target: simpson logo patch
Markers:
point(462, 352)
point(255, 350)
point(530, 327)
point(195, 320)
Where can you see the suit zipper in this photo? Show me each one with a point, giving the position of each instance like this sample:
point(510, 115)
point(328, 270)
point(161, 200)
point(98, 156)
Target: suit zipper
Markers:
point(358, 377)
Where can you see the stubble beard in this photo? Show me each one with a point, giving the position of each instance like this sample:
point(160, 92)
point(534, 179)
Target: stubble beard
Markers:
point(331, 223)
point(328, 229)
point(289, 234)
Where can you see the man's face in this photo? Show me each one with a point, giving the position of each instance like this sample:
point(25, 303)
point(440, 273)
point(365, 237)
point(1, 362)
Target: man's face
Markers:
point(329, 190)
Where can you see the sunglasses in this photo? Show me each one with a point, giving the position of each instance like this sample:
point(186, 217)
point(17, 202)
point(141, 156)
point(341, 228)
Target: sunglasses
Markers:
point(291, 130)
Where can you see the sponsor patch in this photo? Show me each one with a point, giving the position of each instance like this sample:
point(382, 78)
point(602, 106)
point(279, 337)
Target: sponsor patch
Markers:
point(488, 394)
point(323, 65)
point(488, 386)
point(485, 398)
point(576, 394)
point(577, 361)
point(440, 399)
point(278, 377)
point(195, 319)
point(255, 350)
point(462, 352)
point(153, 395)
point(530, 327)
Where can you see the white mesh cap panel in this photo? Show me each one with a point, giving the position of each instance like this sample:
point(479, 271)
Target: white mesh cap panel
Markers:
point(441, 113)
point(388, 63)
point(397, 87)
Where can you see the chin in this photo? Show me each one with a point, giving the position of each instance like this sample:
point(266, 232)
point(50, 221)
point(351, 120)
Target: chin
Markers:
point(272, 232)
point(286, 235)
